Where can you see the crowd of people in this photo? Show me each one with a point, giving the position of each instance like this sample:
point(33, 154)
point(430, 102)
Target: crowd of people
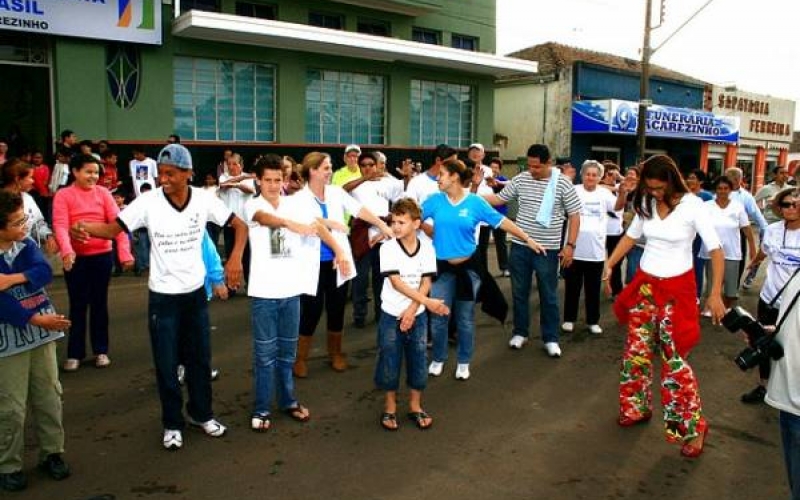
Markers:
point(301, 239)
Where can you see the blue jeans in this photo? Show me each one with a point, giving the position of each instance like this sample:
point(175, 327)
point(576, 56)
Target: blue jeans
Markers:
point(790, 435)
point(179, 330)
point(141, 249)
point(462, 311)
point(632, 262)
point(392, 344)
point(523, 262)
point(276, 323)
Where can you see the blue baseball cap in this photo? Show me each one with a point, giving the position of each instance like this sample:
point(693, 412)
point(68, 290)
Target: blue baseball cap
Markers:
point(176, 155)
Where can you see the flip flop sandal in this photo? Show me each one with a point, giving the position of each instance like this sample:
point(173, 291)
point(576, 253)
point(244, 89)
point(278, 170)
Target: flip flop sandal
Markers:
point(298, 413)
point(419, 417)
point(260, 423)
point(387, 419)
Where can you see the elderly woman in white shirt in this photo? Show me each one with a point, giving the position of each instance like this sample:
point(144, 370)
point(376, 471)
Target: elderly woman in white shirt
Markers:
point(659, 307)
point(730, 221)
point(590, 248)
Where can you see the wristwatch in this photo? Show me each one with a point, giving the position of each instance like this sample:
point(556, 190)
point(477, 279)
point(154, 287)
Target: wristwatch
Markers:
point(568, 244)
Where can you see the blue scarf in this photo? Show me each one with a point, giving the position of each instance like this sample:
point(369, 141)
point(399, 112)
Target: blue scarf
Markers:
point(545, 215)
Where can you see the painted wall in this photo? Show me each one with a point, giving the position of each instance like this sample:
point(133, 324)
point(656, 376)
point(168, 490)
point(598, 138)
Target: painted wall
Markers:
point(595, 82)
point(527, 113)
point(83, 102)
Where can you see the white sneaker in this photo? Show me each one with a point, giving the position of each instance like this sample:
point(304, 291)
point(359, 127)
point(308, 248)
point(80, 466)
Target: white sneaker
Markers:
point(506, 274)
point(595, 329)
point(517, 341)
point(706, 313)
point(181, 374)
point(173, 439)
point(435, 368)
point(568, 326)
point(462, 371)
point(214, 374)
point(552, 349)
point(211, 427)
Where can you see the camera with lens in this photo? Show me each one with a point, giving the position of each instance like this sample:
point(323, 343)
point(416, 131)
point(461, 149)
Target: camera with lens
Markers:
point(763, 345)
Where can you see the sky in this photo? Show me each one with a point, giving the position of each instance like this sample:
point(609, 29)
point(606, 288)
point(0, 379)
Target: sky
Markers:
point(752, 45)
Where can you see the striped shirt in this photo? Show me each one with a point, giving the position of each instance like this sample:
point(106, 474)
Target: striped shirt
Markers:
point(529, 192)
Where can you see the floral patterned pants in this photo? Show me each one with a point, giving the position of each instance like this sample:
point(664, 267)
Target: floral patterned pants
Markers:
point(650, 328)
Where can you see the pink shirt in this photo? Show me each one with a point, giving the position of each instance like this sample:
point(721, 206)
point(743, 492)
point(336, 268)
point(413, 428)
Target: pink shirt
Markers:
point(73, 204)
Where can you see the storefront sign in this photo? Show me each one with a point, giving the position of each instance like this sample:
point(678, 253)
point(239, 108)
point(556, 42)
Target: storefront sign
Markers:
point(121, 20)
point(621, 117)
point(763, 117)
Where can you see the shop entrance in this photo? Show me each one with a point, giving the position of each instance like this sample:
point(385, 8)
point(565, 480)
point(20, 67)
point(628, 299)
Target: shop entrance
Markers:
point(25, 108)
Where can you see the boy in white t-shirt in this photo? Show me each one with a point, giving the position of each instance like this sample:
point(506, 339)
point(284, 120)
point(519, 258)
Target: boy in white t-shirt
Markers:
point(175, 216)
point(143, 169)
point(407, 264)
point(282, 236)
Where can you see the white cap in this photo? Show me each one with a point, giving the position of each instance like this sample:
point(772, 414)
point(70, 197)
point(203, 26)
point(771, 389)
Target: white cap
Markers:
point(476, 145)
point(352, 147)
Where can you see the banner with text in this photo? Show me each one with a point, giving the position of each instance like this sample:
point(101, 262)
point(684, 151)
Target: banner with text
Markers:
point(621, 117)
point(136, 21)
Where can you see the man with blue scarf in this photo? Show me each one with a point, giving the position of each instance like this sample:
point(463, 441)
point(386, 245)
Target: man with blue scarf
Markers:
point(546, 199)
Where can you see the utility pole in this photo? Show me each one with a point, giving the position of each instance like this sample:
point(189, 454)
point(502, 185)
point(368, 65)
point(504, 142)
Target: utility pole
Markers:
point(644, 84)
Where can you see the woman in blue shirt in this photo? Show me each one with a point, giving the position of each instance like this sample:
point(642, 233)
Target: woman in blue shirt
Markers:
point(456, 213)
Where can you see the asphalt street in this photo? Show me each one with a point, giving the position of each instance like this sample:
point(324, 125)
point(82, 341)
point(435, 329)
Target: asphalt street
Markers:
point(523, 427)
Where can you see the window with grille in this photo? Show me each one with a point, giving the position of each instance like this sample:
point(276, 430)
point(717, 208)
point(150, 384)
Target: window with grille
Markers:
point(345, 107)
point(322, 20)
point(218, 100)
point(259, 10)
point(464, 42)
point(423, 35)
point(441, 113)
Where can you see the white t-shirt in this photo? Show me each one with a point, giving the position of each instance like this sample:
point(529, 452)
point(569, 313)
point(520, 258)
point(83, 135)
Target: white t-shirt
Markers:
point(591, 243)
point(233, 197)
point(727, 222)
point(176, 236)
point(281, 262)
point(783, 390)
point(420, 187)
point(668, 251)
point(377, 196)
point(782, 246)
point(614, 224)
point(145, 171)
point(410, 266)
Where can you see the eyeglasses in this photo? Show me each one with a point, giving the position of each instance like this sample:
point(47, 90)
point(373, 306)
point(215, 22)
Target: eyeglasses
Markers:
point(21, 222)
point(788, 204)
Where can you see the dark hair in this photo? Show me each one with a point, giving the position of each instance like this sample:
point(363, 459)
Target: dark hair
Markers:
point(660, 168)
point(268, 162)
point(78, 161)
point(458, 167)
point(108, 153)
point(778, 199)
point(701, 176)
point(539, 151)
point(407, 206)
point(175, 137)
point(66, 133)
point(496, 160)
point(137, 149)
point(9, 203)
point(64, 152)
point(86, 142)
point(778, 167)
point(145, 187)
point(368, 155)
point(443, 151)
point(13, 170)
point(722, 180)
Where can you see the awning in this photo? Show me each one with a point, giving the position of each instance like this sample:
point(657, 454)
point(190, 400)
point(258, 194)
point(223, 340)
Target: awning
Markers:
point(281, 35)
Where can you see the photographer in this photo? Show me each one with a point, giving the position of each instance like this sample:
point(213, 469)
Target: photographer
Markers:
point(781, 244)
point(783, 392)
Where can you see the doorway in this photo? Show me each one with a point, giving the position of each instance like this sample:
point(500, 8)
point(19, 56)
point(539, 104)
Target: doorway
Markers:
point(26, 107)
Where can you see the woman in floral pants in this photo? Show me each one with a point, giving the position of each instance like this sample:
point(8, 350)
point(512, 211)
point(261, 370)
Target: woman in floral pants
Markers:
point(659, 305)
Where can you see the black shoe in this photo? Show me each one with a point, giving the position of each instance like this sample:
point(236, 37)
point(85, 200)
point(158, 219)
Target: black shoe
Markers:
point(756, 396)
point(13, 481)
point(359, 323)
point(55, 467)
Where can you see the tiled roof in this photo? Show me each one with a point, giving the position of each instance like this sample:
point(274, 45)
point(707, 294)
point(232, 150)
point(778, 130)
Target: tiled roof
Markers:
point(553, 56)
